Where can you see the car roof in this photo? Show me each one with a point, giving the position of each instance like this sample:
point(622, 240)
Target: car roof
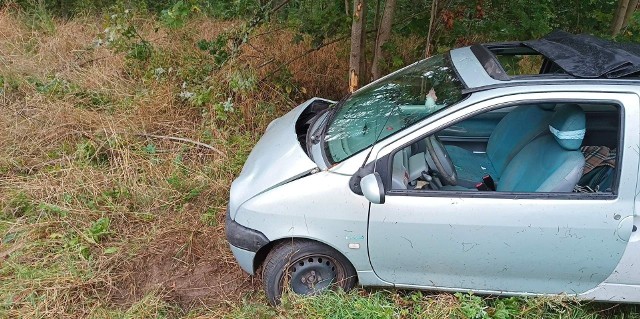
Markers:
point(567, 59)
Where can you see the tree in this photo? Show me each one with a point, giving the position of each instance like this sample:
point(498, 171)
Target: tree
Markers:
point(434, 9)
point(358, 35)
point(623, 13)
point(384, 32)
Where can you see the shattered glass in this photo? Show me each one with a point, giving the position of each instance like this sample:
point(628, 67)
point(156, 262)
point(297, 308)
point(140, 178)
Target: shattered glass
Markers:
point(392, 104)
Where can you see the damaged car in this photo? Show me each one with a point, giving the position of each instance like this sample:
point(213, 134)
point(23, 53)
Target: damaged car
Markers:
point(502, 168)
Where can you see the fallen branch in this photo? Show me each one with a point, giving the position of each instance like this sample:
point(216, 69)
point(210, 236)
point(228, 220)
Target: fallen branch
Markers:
point(269, 31)
point(183, 140)
point(274, 10)
point(36, 167)
point(305, 53)
point(93, 60)
point(314, 49)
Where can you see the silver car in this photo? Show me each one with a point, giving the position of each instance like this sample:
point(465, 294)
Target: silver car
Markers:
point(501, 168)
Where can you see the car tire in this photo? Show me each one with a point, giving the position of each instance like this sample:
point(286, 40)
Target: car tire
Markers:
point(305, 267)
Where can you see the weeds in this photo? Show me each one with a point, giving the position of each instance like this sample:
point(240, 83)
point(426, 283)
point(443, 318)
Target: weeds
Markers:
point(38, 17)
point(19, 205)
point(57, 88)
point(209, 217)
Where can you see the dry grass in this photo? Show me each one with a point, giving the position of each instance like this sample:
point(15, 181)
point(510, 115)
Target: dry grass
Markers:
point(71, 155)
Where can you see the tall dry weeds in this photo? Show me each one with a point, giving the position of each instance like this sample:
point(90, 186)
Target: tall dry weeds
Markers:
point(77, 148)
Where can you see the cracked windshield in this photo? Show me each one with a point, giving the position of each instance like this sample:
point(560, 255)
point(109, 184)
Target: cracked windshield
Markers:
point(396, 102)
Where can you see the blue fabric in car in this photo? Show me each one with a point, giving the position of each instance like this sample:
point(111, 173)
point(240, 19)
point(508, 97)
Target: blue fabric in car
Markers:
point(549, 163)
point(470, 166)
point(568, 126)
point(543, 166)
point(513, 132)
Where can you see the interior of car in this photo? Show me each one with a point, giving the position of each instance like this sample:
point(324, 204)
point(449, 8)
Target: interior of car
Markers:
point(543, 147)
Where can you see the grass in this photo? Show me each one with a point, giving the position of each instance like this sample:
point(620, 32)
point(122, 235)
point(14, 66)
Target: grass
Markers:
point(103, 215)
point(415, 304)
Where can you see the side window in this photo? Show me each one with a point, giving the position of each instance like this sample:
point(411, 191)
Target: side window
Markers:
point(527, 148)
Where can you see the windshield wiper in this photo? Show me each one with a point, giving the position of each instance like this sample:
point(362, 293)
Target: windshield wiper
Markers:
point(320, 132)
point(395, 108)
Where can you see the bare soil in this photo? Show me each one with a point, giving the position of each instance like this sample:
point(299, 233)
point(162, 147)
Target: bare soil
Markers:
point(189, 266)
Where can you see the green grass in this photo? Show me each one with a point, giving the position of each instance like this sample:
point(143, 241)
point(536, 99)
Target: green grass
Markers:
point(366, 304)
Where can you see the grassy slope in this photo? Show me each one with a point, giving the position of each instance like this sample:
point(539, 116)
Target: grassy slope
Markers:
point(103, 217)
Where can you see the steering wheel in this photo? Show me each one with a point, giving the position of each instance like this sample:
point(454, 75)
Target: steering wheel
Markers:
point(442, 160)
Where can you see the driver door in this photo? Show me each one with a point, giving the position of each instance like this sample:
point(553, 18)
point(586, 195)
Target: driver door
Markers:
point(542, 243)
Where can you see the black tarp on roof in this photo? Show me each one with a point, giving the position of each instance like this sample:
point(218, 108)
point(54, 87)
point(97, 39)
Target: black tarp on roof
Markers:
point(586, 56)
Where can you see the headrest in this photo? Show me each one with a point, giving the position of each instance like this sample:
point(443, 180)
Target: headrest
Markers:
point(547, 106)
point(568, 126)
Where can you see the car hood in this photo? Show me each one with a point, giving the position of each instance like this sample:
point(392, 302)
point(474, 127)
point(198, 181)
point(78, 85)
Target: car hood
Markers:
point(277, 158)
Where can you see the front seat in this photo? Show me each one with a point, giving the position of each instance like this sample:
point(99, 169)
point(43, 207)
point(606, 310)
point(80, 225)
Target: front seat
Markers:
point(550, 163)
point(513, 132)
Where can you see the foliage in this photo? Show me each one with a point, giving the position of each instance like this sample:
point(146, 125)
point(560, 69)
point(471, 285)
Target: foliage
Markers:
point(322, 20)
point(231, 9)
point(459, 22)
point(19, 205)
point(632, 32)
point(176, 16)
point(217, 48)
point(99, 229)
point(122, 35)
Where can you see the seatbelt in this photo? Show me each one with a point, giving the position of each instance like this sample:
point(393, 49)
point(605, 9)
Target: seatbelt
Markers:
point(487, 184)
point(488, 180)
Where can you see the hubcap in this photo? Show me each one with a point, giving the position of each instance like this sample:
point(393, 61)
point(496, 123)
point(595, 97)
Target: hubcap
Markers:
point(312, 274)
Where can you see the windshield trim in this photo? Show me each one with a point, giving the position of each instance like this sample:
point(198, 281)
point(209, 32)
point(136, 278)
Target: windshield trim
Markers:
point(330, 113)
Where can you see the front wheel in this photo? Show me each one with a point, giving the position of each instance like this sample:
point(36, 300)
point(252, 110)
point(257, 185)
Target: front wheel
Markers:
point(306, 268)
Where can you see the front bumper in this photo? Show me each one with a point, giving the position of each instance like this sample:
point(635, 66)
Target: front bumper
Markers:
point(244, 242)
point(244, 258)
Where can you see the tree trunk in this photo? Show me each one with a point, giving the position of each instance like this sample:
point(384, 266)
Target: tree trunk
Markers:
point(434, 9)
point(633, 5)
point(362, 76)
point(618, 18)
point(376, 16)
point(384, 32)
point(356, 59)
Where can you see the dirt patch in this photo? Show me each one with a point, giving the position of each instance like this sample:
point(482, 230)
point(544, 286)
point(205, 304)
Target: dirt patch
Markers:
point(188, 266)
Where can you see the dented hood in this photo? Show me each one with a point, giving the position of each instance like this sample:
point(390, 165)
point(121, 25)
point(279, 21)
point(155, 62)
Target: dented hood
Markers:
point(276, 159)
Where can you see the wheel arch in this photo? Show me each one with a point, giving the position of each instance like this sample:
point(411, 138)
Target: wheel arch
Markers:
point(262, 253)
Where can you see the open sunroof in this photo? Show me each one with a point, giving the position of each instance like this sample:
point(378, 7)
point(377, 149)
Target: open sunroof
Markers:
point(586, 56)
point(560, 53)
